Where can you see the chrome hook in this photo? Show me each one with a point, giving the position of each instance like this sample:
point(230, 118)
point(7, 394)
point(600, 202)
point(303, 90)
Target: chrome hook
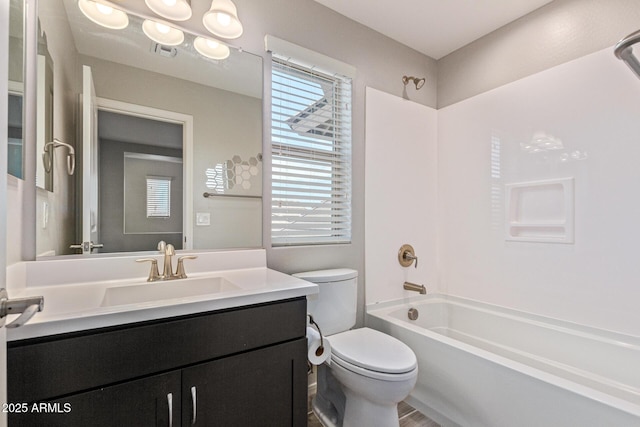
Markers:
point(47, 158)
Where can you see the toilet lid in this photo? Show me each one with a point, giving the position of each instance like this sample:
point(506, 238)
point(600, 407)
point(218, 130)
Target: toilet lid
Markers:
point(373, 350)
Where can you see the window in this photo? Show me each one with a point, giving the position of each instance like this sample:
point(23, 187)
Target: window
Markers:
point(158, 197)
point(311, 156)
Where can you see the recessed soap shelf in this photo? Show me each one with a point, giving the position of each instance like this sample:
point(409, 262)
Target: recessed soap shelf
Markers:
point(540, 211)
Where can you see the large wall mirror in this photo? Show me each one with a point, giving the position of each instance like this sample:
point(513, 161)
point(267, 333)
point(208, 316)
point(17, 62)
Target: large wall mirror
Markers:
point(149, 142)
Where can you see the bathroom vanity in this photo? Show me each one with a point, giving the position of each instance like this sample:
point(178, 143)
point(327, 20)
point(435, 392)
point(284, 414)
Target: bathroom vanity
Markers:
point(236, 357)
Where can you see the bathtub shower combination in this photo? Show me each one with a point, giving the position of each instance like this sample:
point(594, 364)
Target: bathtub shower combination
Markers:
point(485, 365)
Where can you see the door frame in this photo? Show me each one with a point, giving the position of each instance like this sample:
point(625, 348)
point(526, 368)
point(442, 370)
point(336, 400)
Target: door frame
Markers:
point(4, 92)
point(186, 120)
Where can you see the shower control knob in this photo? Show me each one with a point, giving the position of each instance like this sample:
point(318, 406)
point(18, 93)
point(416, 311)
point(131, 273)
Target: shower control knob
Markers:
point(406, 256)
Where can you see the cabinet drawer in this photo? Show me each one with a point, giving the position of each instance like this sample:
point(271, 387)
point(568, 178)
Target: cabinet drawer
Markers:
point(42, 369)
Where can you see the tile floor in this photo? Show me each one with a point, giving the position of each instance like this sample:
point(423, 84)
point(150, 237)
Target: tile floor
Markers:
point(407, 415)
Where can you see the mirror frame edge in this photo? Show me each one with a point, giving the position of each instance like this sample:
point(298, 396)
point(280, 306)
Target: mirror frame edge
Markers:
point(29, 136)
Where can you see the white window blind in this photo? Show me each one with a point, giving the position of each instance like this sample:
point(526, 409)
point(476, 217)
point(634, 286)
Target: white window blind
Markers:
point(158, 197)
point(311, 156)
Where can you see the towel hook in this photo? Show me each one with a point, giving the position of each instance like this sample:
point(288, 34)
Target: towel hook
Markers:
point(47, 158)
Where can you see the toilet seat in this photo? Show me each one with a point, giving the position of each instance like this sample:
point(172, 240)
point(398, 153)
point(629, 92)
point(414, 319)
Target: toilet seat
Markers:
point(372, 374)
point(373, 354)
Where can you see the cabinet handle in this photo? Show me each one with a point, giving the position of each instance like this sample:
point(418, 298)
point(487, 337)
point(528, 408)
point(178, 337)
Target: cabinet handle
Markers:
point(193, 405)
point(170, 405)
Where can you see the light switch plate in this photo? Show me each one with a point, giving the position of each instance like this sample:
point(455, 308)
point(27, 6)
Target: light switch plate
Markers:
point(203, 218)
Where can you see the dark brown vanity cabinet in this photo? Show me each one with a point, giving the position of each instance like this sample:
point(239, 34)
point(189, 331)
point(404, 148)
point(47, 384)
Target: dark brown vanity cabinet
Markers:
point(239, 367)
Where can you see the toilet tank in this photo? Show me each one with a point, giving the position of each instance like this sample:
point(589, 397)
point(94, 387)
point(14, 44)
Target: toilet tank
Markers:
point(334, 307)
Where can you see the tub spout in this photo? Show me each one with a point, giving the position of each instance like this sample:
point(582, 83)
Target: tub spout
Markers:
point(413, 287)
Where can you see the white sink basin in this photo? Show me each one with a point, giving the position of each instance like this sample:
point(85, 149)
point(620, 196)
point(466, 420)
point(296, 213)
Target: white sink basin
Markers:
point(164, 290)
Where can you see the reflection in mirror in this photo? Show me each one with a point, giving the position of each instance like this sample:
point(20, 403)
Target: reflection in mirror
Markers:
point(44, 119)
point(15, 134)
point(138, 157)
point(16, 89)
point(215, 105)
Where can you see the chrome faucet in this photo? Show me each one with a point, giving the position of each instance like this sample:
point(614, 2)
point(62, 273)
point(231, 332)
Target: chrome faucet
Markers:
point(167, 270)
point(414, 287)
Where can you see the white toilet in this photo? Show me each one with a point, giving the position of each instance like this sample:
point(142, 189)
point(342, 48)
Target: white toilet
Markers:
point(369, 372)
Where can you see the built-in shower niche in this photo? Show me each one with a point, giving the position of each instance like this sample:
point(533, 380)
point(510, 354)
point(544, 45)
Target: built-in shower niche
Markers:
point(540, 211)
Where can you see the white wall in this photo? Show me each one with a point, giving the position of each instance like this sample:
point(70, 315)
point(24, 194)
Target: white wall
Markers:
point(400, 194)
point(592, 104)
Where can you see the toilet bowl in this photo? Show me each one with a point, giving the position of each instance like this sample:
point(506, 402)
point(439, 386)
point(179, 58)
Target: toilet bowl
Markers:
point(369, 372)
point(373, 382)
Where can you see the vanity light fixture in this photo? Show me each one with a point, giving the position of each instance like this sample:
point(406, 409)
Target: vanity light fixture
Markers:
point(222, 19)
point(162, 33)
point(211, 48)
point(176, 10)
point(104, 14)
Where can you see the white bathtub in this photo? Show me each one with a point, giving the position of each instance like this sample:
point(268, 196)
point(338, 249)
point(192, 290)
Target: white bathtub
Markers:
point(484, 365)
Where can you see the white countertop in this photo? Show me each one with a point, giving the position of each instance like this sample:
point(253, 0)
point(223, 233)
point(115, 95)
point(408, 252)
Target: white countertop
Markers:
point(78, 306)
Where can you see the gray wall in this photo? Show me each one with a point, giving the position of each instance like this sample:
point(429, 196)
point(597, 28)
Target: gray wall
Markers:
point(556, 33)
point(111, 201)
point(380, 62)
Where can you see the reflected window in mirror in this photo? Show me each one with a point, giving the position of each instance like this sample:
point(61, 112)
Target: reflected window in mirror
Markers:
point(15, 139)
point(16, 89)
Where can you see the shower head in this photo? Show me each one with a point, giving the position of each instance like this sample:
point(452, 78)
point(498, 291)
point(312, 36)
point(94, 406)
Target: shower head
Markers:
point(419, 82)
point(624, 51)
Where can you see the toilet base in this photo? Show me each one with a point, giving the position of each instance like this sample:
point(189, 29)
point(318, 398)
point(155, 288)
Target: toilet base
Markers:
point(329, 402)
point(336, 404)
point(362, 412)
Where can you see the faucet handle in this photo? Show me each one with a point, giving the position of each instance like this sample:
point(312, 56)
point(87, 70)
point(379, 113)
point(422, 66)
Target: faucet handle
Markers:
point(154, 274)
point(180, 273)
point(410, 257)
point(406, 256)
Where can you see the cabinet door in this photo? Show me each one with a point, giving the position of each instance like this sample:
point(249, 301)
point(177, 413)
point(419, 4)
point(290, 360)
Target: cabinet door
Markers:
point(266, 387)
point(140, 403)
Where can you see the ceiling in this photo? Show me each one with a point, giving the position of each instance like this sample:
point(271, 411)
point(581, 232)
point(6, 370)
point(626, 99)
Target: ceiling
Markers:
point(434, 27)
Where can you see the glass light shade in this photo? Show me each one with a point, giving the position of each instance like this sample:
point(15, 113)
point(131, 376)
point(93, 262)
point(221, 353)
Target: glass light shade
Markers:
point(222, 19)
point(103, 14)
point(162, 33)
point(176, 10)
point(211, 48)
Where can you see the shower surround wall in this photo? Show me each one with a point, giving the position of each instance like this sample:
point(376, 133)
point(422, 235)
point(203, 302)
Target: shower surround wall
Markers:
point(591, 107)
point(587, 112)
point(400, 194)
